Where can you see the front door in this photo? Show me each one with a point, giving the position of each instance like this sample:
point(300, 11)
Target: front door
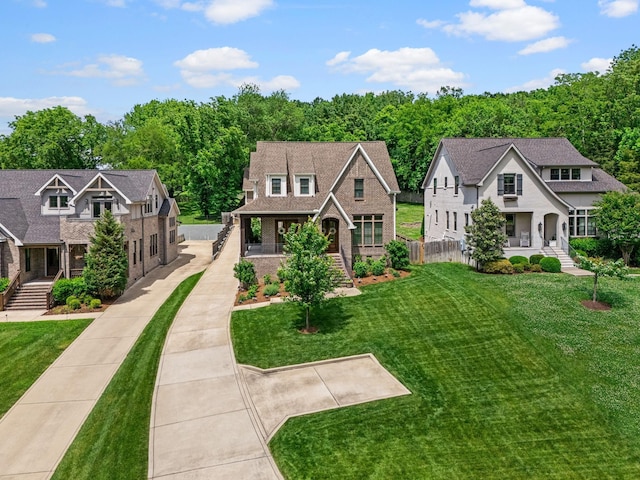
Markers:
point(330, 228)
point(53, 262)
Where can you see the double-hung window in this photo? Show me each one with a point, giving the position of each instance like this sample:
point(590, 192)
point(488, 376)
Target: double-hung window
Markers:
point(368, 231)
point(358, 188)
point(456, 184)
point(510, 184)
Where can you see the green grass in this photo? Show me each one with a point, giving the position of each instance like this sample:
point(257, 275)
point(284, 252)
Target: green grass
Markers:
point(114, 441)
point(409, 220)
point(510, 377)
point(27, 349)
point(198, 219)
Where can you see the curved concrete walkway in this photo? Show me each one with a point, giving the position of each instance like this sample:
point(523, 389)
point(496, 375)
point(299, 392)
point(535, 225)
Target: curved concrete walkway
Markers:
point(36, 432)
point(202, 427)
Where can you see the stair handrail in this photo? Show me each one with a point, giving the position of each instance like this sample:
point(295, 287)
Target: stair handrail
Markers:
point(50, 300)
point(5, 296)
point(568, 249)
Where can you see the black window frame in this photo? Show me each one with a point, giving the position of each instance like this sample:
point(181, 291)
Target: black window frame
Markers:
point(358, 188)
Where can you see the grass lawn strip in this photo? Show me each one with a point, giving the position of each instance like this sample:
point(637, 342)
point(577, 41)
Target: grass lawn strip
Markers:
point(511, 378)
point(113, 443)
point(409, 220)
point(27, 349)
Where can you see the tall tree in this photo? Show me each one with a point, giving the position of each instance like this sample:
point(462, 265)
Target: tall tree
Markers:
point(51, 138)
point(106, 267)
point(618, 217)
point(308, 270)
point(485, 235)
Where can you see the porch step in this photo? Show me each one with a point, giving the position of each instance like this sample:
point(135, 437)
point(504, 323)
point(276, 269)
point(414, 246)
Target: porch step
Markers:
point(565, 260)
point(344, 279)
point(30, 296)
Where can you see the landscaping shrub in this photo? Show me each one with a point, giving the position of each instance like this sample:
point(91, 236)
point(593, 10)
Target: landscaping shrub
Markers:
point(245, 272)
point(550, 264)
point(398, 254)
point(519, 267)
point(282, 275)
point(395, 273)
point(4, 283)
point(498, 266)
point(536, 268)
point(252, 292)
point(378, 267)
point(360, 269)
point(535, 258)
point(65, 287)
point(518, 259)
point(95, 303)
point(527, 267)
point(589, 246)
point(266, 279)
point(73, 302)
point(271, 289)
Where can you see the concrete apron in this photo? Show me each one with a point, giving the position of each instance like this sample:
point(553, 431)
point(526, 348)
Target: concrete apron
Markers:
point(36, 432)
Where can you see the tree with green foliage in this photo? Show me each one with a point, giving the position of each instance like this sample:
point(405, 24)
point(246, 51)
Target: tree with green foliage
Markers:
point(105, 271)
point(618, 217)
point(245, 272)
point(310, 273)
point(602, 268)
point(485, 235)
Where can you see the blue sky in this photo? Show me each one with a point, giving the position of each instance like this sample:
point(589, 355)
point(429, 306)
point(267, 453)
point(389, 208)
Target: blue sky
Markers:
point(102, 57)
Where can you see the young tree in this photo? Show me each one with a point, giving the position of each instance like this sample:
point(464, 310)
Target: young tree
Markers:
point(485, 235)
point(600, 268)
point(309, 271)
point(105, 272)
point(618, 217)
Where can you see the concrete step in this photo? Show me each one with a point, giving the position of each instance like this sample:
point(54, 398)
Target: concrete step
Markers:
point(30, 296)
point(345, 280)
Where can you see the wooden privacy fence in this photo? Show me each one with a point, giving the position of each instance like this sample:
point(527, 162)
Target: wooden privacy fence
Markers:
point(433, 252)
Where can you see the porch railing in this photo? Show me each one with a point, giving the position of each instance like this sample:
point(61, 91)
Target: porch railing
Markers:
point(220, 241)
point(11, 289)
point(252, 249)
point(567, 248)
point(50, 300)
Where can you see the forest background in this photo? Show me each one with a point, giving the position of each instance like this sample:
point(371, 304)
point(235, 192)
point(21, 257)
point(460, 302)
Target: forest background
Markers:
point(201, 149)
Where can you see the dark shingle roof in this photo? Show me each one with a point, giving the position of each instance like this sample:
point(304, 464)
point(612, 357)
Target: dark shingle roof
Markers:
point(601, 182)
point(323, 159)
point(20, 208)
point(474, 157)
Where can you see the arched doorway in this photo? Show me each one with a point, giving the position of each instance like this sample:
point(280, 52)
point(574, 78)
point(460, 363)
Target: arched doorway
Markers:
point(550, 229)
point(330, 228)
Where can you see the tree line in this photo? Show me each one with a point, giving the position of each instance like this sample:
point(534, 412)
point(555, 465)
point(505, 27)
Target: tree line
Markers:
point(201, 148)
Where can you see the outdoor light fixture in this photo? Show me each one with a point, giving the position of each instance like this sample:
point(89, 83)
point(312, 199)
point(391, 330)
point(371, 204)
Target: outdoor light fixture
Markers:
point(564, 227)
point(540, 227)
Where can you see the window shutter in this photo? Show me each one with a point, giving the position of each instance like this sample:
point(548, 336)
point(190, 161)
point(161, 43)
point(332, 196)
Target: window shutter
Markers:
point(500, 184)
point(519, 184)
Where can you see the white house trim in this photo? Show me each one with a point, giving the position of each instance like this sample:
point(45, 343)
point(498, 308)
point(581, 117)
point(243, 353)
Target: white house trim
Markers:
point(48, 182)
point(8, 232)
point(343, 214)
point(86, 187)
point(360, 148)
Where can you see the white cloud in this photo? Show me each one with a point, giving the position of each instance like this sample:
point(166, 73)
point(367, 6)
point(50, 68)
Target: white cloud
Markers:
point(513, 21)
point(618, 8)
point(42, 38)
point(546, 45)
point(116, 3)
point(121, 70)
point(597, 64)
point(537, 83)
point(419, 69)
point(223, 58)
point(430, 24)
point(39, 3)
point(211, 68)
point(11, 107)
point(221, 12)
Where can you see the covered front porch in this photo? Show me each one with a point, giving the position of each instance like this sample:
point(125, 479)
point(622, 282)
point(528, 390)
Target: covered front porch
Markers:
point(532, 231)
point(41, 261)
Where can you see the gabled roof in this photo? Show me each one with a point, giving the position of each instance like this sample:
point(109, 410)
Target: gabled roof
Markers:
point(474, 157)
point(327, 161)
point(20, 207)
point(51, 180)
point(601, 182)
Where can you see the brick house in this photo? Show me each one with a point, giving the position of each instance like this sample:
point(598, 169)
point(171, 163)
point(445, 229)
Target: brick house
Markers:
point(349, 187)
point(543, 186)
point(47, 217)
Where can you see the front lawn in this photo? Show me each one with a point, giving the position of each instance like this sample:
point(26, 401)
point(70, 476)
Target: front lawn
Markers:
point(27, 349)
point(511, 378)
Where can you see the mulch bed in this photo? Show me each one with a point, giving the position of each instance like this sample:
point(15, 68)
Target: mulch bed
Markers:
point(62, 309)
point(371, 279)
point(591, 305)
point(260, 297)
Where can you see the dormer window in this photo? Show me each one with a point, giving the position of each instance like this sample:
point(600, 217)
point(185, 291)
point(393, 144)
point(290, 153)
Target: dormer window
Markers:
point(304, 186)
point(565, 174)
point(59, 201)
point(276, 186)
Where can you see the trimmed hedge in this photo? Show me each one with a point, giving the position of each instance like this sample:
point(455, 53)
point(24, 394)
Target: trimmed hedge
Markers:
point(360, 269)
point(535, 258)
point(66, 287)
point(550, 264)
point(518, 260)
point(499, 266)
point(4, 283)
